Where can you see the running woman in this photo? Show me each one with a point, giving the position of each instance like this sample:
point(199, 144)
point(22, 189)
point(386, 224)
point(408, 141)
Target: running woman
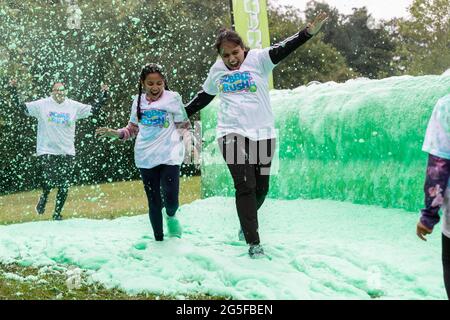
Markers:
point(245, 129)
point(157, 121)
point(56, 116)
point(437, 193)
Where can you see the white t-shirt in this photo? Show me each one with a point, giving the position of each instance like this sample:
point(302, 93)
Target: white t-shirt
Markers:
point(437, 143)
point(244, 94)
point(56, 124)
point(158, 141)
point(437, 137)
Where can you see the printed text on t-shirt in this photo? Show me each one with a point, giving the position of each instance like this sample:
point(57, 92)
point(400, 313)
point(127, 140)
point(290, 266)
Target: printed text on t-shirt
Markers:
point(237, 82)
point(155, 118)
point(59, 118)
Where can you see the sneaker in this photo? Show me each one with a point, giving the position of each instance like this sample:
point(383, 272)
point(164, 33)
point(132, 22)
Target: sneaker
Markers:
point(57, 217)
point(174, 227)
point(241, 236)
point(256, 251)
point(40, 207)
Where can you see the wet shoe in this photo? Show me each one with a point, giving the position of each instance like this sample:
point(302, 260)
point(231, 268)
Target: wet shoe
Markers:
point(256, 251)
point(241, 236)
point(174, 227)
point(57, 217)
point(40, 207)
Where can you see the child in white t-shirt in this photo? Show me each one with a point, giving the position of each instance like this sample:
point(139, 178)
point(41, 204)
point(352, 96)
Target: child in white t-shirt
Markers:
point(245, 122)
point(157, 115)
point(55, 149)
point(437, 193)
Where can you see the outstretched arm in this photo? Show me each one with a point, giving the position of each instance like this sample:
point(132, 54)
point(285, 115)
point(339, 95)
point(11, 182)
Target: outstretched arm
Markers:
point(101, 100)
point(436, 181)
point(128, 132)
point(15, 97)
point(201, 100)
point(283, 49)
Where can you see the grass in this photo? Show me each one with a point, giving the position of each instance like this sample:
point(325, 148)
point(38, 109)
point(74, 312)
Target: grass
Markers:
point(25, 283)
point(104, 201)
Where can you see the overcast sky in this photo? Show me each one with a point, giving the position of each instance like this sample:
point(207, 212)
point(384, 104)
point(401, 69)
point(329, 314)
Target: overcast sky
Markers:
point(380, 9)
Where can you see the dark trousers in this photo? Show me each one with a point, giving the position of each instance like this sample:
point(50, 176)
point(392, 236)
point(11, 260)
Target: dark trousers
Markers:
point(57, 171)
point(161, 184)
point(249, 164)
point(446, 263)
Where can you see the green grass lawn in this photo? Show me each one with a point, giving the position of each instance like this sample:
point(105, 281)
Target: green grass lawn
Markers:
point(30, 285)
point(105, 201)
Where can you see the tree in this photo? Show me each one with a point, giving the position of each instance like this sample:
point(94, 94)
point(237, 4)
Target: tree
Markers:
point(365, 44)
point(314, 61)
point(112, 43)
point(424, 40)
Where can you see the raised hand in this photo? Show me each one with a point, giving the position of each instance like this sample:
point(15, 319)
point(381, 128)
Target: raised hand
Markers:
point(316, 25)
point(13, 83)
point(107, 132)
point(105, 87)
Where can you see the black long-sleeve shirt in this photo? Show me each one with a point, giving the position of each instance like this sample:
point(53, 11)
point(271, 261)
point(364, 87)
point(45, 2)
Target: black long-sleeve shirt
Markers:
point(277, 53)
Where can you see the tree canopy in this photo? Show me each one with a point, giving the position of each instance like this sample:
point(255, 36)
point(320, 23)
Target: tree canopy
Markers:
point(86, 43)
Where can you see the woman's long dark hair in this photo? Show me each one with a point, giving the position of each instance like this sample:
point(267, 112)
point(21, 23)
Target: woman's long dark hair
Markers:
point(231, 36)
point(146, 70)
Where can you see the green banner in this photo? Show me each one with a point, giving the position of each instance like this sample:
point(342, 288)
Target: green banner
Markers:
point(252, 23)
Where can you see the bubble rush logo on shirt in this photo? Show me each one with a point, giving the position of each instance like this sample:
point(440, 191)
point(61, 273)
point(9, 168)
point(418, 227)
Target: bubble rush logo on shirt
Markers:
point(237, 82)
point(59, 118)
point(155, 118)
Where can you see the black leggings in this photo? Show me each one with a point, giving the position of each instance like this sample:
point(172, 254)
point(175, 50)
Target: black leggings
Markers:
point(446, 263)
point(56, 171)
point(249, 164)
point(167, 177)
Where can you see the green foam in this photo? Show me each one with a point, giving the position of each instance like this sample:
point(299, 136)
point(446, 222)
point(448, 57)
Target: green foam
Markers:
point(359, 141)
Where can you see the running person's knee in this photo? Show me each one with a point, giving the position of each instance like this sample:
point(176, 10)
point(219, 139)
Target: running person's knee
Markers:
point(245, 187)
point(261, 191)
